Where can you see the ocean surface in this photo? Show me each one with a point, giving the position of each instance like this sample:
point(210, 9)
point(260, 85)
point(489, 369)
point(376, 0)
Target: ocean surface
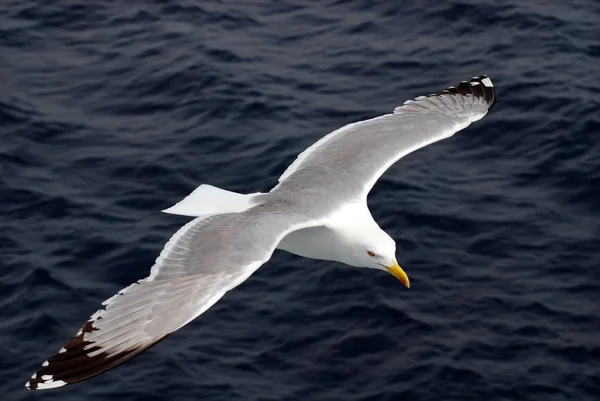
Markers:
point(112, 111)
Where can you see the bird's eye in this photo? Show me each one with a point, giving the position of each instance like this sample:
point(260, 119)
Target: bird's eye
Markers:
point(371, 253)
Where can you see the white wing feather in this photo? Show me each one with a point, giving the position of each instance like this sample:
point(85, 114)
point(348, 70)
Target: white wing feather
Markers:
point(364, 150)
point(201, 262)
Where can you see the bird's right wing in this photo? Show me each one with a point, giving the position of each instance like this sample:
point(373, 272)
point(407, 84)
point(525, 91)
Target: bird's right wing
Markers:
point(204, 259)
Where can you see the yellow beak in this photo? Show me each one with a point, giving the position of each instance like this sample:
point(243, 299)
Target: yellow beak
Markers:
point(397, 271)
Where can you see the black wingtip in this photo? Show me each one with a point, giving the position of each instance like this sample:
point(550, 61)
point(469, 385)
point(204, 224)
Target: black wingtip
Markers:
point(80, 360)
point(481, 86)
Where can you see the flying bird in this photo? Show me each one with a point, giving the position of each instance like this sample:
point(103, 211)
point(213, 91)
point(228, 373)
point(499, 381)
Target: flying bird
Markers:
point(317, 210)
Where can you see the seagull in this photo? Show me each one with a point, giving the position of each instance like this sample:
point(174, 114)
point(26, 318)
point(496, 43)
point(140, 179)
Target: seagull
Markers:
point(317, 210)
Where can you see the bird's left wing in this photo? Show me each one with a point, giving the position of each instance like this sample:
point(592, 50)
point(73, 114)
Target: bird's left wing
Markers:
point(355, 156)
point(204, 259)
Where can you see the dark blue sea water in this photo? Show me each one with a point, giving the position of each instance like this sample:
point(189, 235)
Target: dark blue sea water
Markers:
point(111, 111)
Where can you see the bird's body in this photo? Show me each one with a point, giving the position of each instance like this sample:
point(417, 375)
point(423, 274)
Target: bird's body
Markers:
point(330, 240)
point(317, 210)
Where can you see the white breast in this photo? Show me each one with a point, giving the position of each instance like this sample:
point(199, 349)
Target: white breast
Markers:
point(337, 239)
point(314, 242)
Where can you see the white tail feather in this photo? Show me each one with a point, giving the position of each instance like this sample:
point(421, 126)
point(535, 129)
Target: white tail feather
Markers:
point(207, 199)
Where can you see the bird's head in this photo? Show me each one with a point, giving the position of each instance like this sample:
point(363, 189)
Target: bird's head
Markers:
point(377, 250)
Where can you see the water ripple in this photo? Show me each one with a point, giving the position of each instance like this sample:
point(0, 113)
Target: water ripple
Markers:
point(110, 113)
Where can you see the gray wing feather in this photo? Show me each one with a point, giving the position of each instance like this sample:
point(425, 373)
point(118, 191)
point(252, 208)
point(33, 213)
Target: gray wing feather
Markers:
point(355, 156)
point(204, 259)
